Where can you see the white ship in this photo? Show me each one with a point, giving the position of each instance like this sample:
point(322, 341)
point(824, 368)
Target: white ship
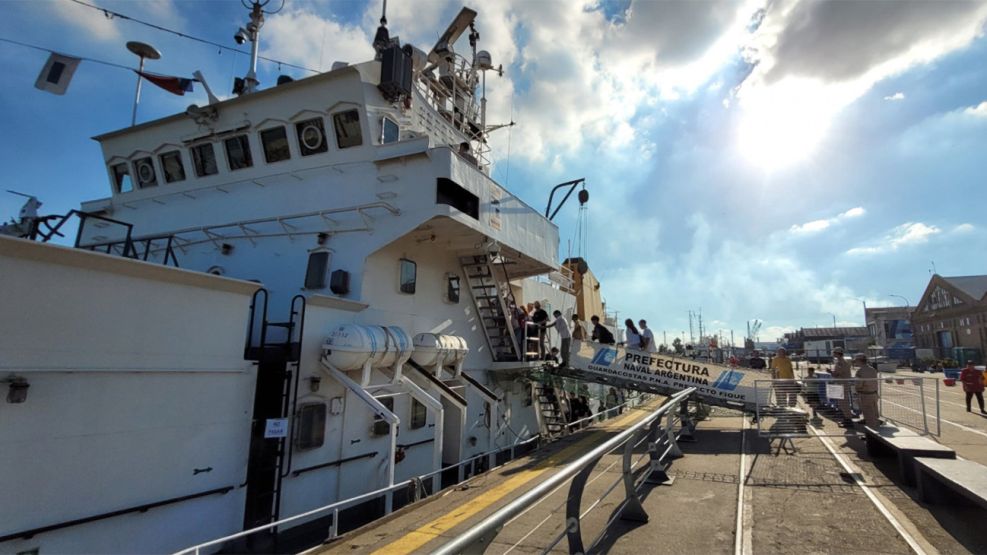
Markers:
point(290, 298)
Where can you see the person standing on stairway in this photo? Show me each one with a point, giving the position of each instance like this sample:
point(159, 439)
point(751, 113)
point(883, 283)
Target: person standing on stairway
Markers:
point(540, 318)
point(565, 337)
point(647, 337)
point(632, 337)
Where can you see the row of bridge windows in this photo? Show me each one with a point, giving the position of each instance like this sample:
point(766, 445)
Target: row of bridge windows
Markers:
point(311, 136)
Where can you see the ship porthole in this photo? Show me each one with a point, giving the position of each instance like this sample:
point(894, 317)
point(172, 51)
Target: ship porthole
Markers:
point(312, 137)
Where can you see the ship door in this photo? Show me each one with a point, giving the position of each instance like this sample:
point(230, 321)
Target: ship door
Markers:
point(266, 452)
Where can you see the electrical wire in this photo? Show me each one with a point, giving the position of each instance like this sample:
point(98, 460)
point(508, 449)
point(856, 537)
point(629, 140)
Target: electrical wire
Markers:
point(43, 49)
point(111, 14)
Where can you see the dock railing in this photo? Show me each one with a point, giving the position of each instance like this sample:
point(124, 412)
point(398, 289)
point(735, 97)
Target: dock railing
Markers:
point(791, 407)
point(662, 446)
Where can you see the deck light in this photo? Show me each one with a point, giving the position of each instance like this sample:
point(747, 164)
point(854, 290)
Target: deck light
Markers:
point(17, 390)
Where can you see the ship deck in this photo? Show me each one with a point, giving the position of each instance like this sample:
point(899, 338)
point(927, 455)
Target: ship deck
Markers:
point(731, 493)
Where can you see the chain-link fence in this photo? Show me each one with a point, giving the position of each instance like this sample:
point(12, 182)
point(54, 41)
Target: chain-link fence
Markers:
point(834, 406)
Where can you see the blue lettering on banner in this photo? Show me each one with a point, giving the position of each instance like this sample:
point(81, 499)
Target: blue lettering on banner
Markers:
point(728, 380)
point(605, 357)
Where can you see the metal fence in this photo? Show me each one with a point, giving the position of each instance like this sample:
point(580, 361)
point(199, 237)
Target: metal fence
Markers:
point(829, 406)
point(662, 446)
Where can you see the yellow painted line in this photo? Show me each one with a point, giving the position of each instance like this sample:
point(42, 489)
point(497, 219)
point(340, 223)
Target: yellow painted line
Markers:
point(417, 538)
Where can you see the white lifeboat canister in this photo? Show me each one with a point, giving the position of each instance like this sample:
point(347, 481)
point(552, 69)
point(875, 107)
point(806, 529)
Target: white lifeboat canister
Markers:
point(354, 346)
point(436, 350)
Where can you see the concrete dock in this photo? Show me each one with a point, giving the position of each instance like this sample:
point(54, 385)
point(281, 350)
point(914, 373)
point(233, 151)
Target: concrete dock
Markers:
point(730, 494)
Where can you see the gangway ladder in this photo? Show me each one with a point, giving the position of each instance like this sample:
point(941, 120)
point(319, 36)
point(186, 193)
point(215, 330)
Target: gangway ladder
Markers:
point(492, 298)
point(550, 410)
point(277, 349)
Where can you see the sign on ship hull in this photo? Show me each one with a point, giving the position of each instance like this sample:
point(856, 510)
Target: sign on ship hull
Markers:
point(716, 384)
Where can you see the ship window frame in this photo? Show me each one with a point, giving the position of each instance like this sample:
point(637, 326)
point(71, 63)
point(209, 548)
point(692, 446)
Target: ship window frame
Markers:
point(268, 154)
point(164, 165)
point(242, 142)
point(317, 277)
point(454, 288)
point(384, 120)
point(122, 178)
point(148, 162)
point(380, 426)
point(342, 129)
point(200, 164)
point(407, 280)
point(311, 425)
point(419, 414)
point(300, 129)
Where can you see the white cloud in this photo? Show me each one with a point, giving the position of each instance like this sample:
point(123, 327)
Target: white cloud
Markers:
point(979, 110)
point(964, 228)
point(816, 226)
point(304, 38)
point(815, 57)
point(895, 96)
point(93, 22)
point(911, 233)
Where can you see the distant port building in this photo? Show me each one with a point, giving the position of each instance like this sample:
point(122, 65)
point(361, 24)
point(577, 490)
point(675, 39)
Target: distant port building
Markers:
point(890, 329)
point(817, 344)
point(950, 321)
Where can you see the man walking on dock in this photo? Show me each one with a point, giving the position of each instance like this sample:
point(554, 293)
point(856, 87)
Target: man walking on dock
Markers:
point(786, 390)
point(867, 390)
point(841, 371)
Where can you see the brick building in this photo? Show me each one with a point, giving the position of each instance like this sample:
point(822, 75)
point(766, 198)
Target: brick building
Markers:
point(952, 314)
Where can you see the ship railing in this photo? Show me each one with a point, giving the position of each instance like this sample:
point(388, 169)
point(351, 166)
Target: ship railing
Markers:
point(417, 484)
point(662, 446)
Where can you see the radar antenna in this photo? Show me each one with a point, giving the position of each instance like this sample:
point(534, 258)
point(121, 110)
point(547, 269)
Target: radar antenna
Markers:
point(249, 83)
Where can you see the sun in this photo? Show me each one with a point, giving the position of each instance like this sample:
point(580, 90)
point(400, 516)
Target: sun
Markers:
point(782, 124)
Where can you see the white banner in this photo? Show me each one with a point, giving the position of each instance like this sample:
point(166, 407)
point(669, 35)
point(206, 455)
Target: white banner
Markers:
point(716, 383)
point(834, 390)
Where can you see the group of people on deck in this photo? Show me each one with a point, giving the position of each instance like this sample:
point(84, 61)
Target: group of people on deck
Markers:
point(534, 316)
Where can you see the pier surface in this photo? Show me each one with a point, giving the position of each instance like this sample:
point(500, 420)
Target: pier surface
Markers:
point(731, 494)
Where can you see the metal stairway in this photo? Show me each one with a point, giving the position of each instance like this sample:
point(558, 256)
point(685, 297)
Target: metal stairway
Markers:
point(549, 409)
point(493, 299)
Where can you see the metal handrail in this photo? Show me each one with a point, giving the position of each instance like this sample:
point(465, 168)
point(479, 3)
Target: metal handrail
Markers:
point(481, 535)
point(336, 507)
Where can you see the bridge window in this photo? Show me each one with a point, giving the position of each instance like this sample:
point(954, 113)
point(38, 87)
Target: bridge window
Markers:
point(145, 173)
point(238, 152)
point(381, 426)
point(408, 276)
point(204, 160)
point(389, 131)
point(171, 163)
point(347, 126)
point(311, 426)
point(311, 136)
point(419, 414)
point(275, 144)
point(452, 288)
point(121, 178)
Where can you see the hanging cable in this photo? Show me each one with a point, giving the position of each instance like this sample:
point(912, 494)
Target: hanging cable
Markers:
point(111, 14)
point(43, 49)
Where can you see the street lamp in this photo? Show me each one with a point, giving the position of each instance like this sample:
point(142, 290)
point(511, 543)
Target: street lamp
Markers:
point(907, 304)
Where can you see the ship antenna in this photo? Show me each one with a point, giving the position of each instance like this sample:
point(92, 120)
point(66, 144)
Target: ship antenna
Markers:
point(382, 39)
point(249, 83)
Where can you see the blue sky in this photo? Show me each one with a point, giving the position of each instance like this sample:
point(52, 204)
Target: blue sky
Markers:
point(778, 161)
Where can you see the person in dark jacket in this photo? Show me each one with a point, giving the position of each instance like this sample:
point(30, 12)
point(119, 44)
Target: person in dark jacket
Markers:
point(756, 362)
point(601, 333)
point(973, 385)
point(539, 317)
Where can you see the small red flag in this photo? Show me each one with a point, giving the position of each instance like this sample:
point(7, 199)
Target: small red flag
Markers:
point(174, 85)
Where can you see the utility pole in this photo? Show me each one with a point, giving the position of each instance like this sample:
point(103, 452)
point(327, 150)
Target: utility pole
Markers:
point(691, 339)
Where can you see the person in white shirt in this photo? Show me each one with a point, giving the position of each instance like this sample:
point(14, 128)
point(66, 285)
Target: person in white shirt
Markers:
point(647, 337)
point(632, 337)
point(565, 337)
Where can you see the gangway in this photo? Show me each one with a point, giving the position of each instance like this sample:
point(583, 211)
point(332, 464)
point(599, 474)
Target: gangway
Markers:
point(715, 384)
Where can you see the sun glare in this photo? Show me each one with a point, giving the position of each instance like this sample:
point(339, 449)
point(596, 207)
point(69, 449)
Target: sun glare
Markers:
point(782, 124)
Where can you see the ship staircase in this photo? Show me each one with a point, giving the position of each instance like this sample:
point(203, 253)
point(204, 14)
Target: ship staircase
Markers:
point(490, 289)
point(275, 346)
point(550, 410)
